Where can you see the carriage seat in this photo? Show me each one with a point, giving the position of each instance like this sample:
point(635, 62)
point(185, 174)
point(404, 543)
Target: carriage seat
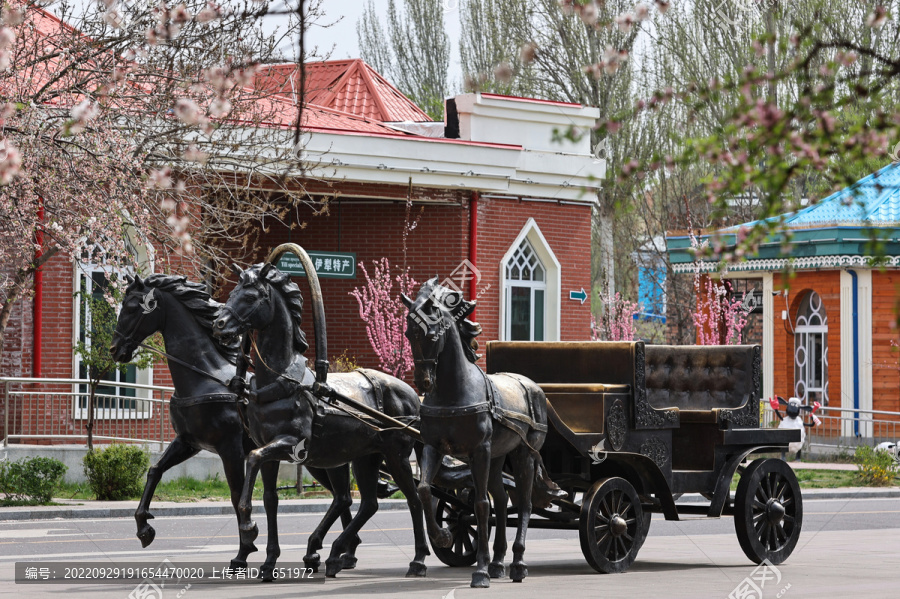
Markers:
point(700, 380)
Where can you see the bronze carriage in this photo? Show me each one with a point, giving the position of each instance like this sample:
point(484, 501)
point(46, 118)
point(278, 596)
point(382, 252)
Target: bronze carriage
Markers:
point(635, 426)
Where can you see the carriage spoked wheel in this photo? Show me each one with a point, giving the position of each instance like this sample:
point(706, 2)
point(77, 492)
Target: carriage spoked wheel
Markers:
point(463, 549)
point(768, 511)
point(612, 526)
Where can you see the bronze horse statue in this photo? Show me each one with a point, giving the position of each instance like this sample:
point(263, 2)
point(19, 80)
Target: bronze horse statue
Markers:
point(484, 420)
point(289, 422)
point(203, 411)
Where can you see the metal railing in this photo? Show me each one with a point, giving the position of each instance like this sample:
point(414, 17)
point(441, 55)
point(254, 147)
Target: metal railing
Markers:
point(846, 426)
point(47, 410)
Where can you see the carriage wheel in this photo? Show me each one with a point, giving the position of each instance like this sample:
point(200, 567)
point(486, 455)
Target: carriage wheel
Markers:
point(768, 511)
point(463, 550)
point(612, 526)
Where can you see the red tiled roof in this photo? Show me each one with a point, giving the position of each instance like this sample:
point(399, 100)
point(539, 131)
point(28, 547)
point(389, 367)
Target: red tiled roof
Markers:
point(350, 86)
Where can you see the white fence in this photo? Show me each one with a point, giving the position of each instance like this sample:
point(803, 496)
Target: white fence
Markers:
point(846, 426)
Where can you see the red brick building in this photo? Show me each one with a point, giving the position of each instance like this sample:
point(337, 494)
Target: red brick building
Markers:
point(487, 188)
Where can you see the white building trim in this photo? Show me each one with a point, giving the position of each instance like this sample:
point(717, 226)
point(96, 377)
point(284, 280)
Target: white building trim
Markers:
point(768, 336)
point(811, 262)
point(864, 280)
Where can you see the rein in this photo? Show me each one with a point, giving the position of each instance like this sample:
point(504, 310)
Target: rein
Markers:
point(183, 363)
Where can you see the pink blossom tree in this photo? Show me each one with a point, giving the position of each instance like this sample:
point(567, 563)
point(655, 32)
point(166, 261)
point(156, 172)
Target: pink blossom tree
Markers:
point(718, 319)
point(384, 315)
point(617, 321)
point(126, 124)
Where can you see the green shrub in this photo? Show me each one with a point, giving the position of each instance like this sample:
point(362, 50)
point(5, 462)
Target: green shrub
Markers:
point(876, 468)
point(32, 479)
point(116, 472)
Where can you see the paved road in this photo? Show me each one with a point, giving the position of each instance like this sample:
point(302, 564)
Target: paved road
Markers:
point(847, 548)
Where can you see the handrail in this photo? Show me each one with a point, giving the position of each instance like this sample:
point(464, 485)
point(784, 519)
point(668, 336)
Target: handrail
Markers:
point(841, 409)
point(30, 380)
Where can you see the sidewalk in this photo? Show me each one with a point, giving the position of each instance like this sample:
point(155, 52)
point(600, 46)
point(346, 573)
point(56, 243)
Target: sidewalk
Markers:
point(820, 466)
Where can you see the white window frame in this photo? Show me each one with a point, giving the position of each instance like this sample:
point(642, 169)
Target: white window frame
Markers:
point(83, 271)
point(806, 333)
point(552, 282)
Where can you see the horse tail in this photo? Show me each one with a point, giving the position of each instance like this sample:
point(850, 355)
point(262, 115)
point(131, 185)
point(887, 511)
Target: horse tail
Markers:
point(544, 490)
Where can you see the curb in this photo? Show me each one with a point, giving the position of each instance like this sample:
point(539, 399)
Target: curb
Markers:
point(223, 509)
point(19, 514)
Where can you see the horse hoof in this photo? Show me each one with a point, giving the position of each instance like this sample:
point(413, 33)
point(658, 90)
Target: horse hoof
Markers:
point(480, 580)
point(496, 570)
point(348, 562)
point(146, 534)
point(518, 572)
point(237, 565)
point(332, 567)
point(267, 573)
point(443, 539)
point(416, 570)
point(312, 562)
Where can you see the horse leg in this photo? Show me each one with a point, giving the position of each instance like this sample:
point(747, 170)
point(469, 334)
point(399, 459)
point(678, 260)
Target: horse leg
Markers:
point(336, 480)
point(398, 465)
point(523, 467)
point(269, 472)
point(431, 462)
point(348, 560)
point(480, 461)
point(178, 451)
point(280, 448)
point(366, 469)
point(496, 569)
point(233, 464)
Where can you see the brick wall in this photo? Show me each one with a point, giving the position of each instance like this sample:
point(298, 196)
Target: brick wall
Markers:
point(436, 246)
point(827, 283)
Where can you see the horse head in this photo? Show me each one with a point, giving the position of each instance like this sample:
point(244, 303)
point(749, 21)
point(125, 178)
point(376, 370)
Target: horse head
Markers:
point(436, 310)
point(252, 303)
point(139, 317)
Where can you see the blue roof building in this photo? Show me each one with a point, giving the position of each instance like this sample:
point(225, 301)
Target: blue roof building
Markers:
point(827, 333)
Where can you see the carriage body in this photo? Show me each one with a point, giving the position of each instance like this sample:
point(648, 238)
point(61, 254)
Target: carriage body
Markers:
point(640, 425)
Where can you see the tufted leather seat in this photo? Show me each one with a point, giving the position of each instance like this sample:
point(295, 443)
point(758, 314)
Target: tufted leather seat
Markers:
point(699, 378)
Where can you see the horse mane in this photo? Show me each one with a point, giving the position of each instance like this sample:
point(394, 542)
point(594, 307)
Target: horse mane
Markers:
point(198, 302)
point(451, 301)
point(292, 297)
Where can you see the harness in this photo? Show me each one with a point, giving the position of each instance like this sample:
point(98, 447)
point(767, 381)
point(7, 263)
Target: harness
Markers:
point(186, 402)
point(517, 422)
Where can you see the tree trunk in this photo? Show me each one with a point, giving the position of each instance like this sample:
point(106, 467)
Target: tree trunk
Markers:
point(605, 219)
point(90, 421)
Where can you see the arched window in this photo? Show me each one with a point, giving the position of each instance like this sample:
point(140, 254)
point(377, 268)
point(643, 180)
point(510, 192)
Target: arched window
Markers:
point(526, 289)
point(93, 276)
point(811, 351)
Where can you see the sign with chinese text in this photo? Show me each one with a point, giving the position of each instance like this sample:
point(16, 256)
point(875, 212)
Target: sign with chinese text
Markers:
point(329, 265)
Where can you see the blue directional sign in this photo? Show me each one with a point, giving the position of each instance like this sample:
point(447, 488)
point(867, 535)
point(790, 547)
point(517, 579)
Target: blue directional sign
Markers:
point(578, 295)
point(329, 265)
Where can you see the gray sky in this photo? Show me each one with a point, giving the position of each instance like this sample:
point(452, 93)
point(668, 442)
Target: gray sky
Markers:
point(342, 35)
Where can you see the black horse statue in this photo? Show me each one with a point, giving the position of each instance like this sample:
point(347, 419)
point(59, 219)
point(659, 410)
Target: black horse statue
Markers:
point(288, 422)
point(203, 411)
point(484, 420)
